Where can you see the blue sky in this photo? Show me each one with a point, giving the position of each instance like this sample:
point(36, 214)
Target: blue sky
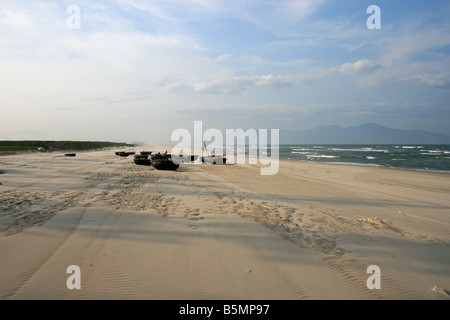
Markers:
point(137, 70)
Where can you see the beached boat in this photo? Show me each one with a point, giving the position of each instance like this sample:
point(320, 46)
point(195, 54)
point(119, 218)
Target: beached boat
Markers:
point(214, 159)
point(142, 160)
point(163, 162)
point(185, 158)
point(70, 154)
point(125, 153)
point(146, 153)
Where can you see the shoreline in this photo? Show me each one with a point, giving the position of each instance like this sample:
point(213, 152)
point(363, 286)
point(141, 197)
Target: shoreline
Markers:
point(356, 164)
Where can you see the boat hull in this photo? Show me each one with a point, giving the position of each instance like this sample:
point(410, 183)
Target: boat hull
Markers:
point(214, 160)
point(185, 158)
point(143, 162)
point(164, 164)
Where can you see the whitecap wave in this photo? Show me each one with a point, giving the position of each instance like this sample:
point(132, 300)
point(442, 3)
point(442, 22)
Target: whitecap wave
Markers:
point(360, 150)
point(321, 156)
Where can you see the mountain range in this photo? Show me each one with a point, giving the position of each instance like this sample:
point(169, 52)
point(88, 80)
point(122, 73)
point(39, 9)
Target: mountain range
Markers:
point(369, 133)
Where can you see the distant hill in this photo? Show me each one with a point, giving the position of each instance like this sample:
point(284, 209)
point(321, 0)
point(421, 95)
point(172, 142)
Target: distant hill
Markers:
point(369, 133)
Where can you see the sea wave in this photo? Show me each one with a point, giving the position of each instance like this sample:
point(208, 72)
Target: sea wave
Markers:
point(360, 150)
point(414, 157)
point(321, 156)
point(359, 164)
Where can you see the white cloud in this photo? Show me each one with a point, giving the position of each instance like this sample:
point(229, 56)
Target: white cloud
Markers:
point(299, 9)
point(224, 57)
point(15, 19)
point(275, 16)
point(404, 45)
point(359, 67)
point(281, 17)
point(239, 84)
point(432, 80)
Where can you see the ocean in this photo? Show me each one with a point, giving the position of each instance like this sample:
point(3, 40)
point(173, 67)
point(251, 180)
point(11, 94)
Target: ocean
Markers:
point(430, 158)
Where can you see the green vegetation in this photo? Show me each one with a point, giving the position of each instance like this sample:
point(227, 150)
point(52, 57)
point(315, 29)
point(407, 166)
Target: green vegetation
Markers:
point(46, 146)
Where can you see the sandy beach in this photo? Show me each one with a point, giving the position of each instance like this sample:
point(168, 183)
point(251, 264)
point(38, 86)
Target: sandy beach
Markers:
point(219, 231)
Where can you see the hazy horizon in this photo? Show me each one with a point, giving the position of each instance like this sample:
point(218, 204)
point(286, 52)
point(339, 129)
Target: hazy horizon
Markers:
point(136, 70)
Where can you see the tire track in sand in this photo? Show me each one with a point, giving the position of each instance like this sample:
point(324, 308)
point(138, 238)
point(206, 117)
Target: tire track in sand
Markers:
point(28, 276)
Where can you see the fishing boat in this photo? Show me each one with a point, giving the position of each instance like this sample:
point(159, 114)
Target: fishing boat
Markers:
point(185, 158)
point(213, 158)
point(142, 160)
point(125, 153)
point(70, 154)
point(163, 162)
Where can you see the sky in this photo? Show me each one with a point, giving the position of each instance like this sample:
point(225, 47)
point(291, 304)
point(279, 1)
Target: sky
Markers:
point(135, 70)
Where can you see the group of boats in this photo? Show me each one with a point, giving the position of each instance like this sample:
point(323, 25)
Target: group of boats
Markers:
point(165, 161)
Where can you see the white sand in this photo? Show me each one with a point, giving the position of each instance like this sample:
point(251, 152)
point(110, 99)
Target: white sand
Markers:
point(219, 231)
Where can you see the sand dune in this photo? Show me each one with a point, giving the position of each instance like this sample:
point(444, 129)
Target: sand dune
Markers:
point(219, 231)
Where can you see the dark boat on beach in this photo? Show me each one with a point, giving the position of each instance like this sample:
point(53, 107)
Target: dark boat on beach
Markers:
point(142, 160)
point(146, 153)
point(214, 159)
point(185, 158)
point(70, 154)
point(124, 153)
point(163, 162)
